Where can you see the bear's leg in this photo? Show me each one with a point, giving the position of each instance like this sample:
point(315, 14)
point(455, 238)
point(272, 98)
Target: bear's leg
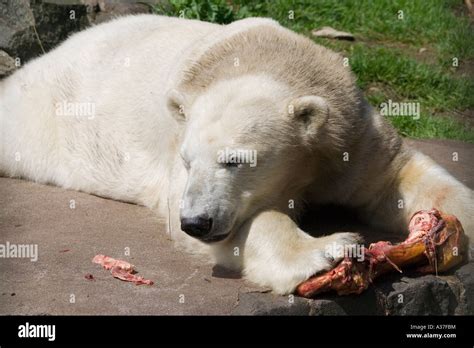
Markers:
point(421, 184)
point(272, 251)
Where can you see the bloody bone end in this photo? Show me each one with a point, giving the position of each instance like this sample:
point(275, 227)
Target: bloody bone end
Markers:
point(436, 243)
point(348, 277)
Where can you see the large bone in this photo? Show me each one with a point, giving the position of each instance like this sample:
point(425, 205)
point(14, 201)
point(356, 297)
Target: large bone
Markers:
point(436, 243)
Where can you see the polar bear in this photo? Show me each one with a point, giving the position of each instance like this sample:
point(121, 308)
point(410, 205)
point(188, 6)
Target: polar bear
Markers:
point(161, 111)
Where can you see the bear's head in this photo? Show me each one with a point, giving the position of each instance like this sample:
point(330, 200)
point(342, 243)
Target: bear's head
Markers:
point(246, 146)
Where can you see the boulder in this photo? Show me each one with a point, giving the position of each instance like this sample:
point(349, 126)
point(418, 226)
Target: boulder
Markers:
point(7, 64)
point(425, 295)
point(465, 274)
point(257, 303)
point(105, 10)
point(28, 28)
point(16, 28)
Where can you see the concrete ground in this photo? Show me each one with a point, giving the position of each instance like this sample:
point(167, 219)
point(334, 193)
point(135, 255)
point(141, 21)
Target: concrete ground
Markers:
point(69, 238)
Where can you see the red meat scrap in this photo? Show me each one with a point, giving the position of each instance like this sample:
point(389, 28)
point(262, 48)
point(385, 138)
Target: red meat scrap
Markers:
point(122, 274)
point(89, 276)
point(109, 262)
point(120, 269)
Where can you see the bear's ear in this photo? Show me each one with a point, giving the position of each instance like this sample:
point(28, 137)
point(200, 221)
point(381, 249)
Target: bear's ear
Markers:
point(176, 105)
point(311, 111)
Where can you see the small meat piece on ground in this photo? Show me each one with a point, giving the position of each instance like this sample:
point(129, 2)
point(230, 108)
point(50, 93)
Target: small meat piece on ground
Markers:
point(89, 276)
point(122, 274)
point(109, 262)
point(120, 269)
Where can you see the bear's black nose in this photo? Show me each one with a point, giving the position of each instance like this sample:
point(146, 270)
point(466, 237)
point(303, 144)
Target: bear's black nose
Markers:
point(197, 226)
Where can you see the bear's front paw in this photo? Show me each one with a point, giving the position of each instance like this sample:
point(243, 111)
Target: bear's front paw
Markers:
point(339, 245)
point(298, 263)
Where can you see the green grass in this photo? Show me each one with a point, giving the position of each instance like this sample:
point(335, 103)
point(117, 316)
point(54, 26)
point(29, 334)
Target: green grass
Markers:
point(432, 127)
point(385, 56)
point(411, 80)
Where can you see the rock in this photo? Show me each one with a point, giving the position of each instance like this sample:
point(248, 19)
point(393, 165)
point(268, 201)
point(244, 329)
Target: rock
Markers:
point(28, 28)
point(425, 295)
point(421, 50)
point(470, 7)
point(55, 22)
point(326, 307)
point(7, 64)
point(465, 274)
point(363, 304)
point(268, 304)
point(332, 33)
point(106, 10)
point(16, 27)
